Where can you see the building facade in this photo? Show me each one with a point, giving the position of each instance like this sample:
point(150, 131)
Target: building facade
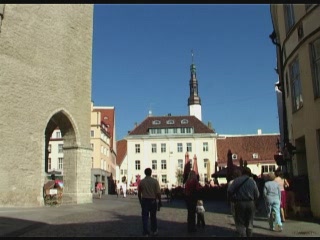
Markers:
point(55, 148)
point(45, 74)
point(296, 37)
point(257, 150)
point(103, 143)
point(162, 142)
point(122, 161)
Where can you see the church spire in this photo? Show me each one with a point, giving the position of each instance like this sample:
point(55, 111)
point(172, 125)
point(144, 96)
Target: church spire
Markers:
point(194, 101)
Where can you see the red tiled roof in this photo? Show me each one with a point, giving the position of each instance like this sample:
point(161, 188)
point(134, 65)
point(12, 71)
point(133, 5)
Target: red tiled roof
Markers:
point(193, 122)
point(121, 151)
point(107, 117)
point(244, 146)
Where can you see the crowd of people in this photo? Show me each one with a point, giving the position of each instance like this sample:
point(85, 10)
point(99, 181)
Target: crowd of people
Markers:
point(243, 193)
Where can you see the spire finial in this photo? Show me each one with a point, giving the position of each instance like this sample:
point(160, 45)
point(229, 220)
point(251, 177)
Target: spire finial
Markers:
point(192, 55)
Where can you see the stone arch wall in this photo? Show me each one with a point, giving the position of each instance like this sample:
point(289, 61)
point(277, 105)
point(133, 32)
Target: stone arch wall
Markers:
point(45, 59)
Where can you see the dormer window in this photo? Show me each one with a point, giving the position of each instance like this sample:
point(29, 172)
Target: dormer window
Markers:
point(184, 121)
point(234, 156)
point(255, 155)
point(156, 122)
point(170, 121)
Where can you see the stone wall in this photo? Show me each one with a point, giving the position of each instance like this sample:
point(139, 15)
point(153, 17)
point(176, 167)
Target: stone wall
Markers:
point(45, 59)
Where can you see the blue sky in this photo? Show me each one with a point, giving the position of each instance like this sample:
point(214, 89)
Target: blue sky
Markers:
point(142, 57)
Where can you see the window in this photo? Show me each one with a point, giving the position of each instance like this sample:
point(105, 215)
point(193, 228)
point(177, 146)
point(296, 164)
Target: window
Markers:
point(153, 148)
point(205, 147)
point(137, 164)
point(164, 178)
point(92, 133)
point(121, 171)
point(163, 164)
point(153, 131)
point(163, 147)
point(92, 146)
point(180, 163)
point(60, 148)
point(156, 122)
point(289, 16)
point(182, 130)
point(180, 148)
point(159, 131)
point(205, 161)
point(58, 134)
point(49, 163)
point(49, 148)
point(170, 121)
point(166, 130)
point(175, 130)
point(234, 156)
point(315, 48)
point(295, 83)
point(189, 147)
point(92, 162)
point(155, 176)
point(268, 168)
point(255, 155)
point(137, 148)
point(60, 161)
point(188, 130)
point(154, 164)
point(184, 121)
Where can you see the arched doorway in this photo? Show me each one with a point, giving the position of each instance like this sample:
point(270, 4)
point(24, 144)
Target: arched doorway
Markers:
point(76, 168)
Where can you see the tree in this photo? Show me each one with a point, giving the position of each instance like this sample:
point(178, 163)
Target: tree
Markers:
point(245, 163)
point(229, 166)
point(241, 162)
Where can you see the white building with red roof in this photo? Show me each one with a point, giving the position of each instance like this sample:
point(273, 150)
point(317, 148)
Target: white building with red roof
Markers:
point(103, 144)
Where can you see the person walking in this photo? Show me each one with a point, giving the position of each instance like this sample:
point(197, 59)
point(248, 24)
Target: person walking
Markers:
point(200, 214)
point(118, 188)
point(192, 186)
point(124, 186)
point(236, 173)
point(244, 192)
point(148, 194)
point(283, 183)
point(272, 195)
point(99, 189)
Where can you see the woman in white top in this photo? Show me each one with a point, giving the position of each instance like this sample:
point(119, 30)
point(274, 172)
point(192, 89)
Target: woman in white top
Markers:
point(282, 184)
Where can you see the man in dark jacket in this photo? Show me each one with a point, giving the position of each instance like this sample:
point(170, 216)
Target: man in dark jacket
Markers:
point(245, 192)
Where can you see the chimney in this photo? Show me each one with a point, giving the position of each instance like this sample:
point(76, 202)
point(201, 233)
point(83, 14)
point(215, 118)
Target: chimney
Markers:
point(150, 113)
point(259, 131)
point(169, 114)
point(210, 125)
point(135, 124)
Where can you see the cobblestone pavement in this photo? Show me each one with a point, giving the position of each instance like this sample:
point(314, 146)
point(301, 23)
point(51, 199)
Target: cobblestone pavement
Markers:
point(121, 217)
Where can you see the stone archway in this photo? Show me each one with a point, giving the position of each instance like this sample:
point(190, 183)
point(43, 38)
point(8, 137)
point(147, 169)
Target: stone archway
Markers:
point(76, 160)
